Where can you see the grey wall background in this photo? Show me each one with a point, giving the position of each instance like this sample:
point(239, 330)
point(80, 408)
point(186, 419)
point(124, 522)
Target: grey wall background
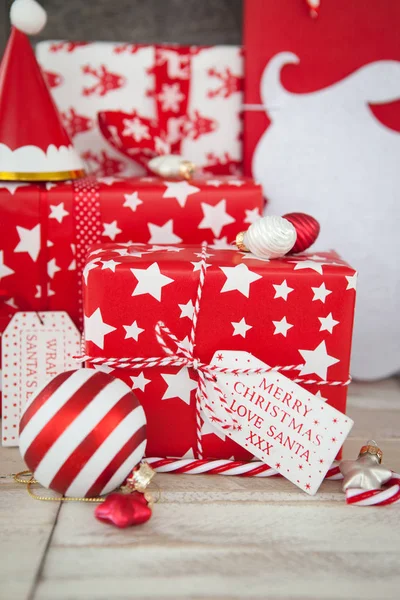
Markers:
point(180, 21)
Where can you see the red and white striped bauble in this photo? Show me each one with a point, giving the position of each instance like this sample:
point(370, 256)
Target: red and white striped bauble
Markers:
point(83, 433)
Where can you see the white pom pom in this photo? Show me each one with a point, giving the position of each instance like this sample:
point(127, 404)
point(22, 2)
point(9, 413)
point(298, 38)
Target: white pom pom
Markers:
point(28, 16)
point(270, 237)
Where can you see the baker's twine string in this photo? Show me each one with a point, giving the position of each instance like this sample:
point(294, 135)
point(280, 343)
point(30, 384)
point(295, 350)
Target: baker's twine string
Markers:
point(181, 356)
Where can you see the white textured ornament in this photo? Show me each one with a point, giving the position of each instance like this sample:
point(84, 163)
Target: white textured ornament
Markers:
point(270, 237)
point(171, 166)
point(28, 16)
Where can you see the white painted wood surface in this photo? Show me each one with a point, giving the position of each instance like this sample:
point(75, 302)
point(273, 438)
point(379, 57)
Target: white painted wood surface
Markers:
point(212, 536)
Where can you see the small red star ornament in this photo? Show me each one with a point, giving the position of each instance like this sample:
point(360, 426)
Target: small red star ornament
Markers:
point(124, 510)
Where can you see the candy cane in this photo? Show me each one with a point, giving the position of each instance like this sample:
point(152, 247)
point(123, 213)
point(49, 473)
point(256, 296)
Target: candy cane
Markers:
point(389, 494)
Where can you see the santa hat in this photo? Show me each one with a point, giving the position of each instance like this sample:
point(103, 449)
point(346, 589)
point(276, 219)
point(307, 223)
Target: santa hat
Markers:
point(34, 145)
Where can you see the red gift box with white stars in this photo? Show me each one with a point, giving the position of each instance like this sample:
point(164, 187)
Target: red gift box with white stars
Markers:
point(293, 311)
point(46, 229)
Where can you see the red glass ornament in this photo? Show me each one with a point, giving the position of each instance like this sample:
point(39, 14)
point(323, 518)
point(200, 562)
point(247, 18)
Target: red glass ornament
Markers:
point(307, 229)
point(124, 510)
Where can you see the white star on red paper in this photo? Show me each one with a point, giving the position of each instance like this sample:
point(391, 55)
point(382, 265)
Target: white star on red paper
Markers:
point(351, 281)
point(252, 215)
point(111, 230)
point(240, 327)
point(150, 281)
point(215, 217)
point(29, 241)
point(132, 201)
point(109, 264)
point(235, 182)
point(108, 180)
point(4, 270)
point(179, 190)
point(140, 382)
point(187, 309)
point(282, 290)
point(164, 248)
point(222, 244)
point(321, 292)
point(308, 264)
point(179, 385)
point(52, 268)
point(163, 234)
point(327, 323)
point(50, 292)
point(96, 329)
point(133, 331)
point(239, 278)
point(197, 265)
point(88, 267)
point(12, 186)
point(58, 212)
point(282, 327)
point(317, 361)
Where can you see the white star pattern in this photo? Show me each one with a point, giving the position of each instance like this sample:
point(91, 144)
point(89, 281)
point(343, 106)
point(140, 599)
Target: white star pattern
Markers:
point(188, 454)
point(222, 244)
point(58, 212)
point(240, 327)
point(108, 180)
point(111, 230)
point(38, 294)
point(133, 331)
point(309, 264)
point(282, 327)
point(187, 310)
point(150, 281)
point(4, 270)
point(235, 182)
point(96, 329)
point(163, 234)
point(165, 248)
point(351, 281)
point(179, 190)
point(179, 385)
point(29, 241)
point(11, 186)
point(132, 201)
point(321, 292)
point(52, 268)
point(109, 264)
point(50, 185)
point(197, 265)
point(171, 97)
point(239, 278)
point(215, 217)
point(282, 290)
point(317, 361)
point(328, 323)
point(88, 267)
point(318, 394)
point(252, 215)
point(140, 382)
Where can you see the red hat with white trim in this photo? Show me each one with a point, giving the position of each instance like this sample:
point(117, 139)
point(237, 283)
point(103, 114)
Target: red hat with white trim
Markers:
point(34, 145)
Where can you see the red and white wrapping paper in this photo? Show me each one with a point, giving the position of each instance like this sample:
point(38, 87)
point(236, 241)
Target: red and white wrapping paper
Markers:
point(193, 94)
point(293, 311)
point(46, 229)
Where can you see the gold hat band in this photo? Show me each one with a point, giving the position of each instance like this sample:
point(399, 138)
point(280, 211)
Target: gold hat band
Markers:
point(57, 176)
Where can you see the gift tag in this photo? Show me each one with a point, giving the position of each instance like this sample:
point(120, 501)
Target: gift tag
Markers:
point(279, 422)
point(35, 348)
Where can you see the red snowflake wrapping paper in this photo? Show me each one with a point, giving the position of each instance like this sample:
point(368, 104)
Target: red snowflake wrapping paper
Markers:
point(297, 310)
point(193, 95)
point(46, 229)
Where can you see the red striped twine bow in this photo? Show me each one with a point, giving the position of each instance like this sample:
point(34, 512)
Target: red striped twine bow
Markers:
point(185, 357)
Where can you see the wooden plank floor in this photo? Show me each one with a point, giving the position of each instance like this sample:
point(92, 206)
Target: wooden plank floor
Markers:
point(214, 537)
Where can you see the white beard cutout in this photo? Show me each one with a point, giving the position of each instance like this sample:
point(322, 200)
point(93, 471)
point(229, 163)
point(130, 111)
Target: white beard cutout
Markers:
point(325, 154)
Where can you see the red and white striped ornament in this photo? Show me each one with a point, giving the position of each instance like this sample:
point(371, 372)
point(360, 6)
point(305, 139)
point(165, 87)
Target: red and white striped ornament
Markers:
point(83, 433)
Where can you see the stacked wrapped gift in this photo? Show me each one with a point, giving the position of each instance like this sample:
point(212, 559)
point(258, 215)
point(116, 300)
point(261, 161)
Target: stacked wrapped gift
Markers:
point(169, 297)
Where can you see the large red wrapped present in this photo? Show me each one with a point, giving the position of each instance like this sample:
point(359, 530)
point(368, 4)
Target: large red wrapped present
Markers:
point(186, 97)
point(322, 132)
point(294, 311)
point(46, 229)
